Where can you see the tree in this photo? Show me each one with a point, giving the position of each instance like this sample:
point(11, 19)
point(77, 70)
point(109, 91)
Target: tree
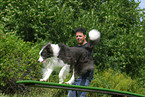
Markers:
point(54, 21)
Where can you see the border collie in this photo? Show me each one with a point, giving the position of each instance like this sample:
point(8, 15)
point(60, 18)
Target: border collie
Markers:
point(61, 57)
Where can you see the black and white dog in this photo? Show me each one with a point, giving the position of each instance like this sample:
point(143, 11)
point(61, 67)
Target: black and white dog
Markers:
point(61, 57)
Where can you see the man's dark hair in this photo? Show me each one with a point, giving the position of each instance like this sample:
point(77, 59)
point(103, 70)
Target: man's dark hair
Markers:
point(83, 30)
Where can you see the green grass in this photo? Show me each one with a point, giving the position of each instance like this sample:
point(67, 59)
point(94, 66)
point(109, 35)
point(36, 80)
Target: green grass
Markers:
point(53, 93)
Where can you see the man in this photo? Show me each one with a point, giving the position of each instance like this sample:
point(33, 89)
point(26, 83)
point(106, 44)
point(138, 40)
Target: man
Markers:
point(81, 37)
point(85, 79)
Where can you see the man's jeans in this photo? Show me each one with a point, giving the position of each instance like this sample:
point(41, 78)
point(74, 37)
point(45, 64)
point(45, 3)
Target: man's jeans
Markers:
point(80, 82)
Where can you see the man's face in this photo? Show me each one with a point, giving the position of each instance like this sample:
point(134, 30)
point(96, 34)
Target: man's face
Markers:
point(80, 37)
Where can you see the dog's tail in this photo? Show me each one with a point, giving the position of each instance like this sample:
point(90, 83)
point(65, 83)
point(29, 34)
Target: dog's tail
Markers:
point(94, 38)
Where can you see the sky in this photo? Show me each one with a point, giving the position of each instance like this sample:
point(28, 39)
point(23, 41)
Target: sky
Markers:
point(142, 4)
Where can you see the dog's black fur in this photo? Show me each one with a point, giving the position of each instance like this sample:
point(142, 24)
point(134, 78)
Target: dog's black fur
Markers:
point(80, 58)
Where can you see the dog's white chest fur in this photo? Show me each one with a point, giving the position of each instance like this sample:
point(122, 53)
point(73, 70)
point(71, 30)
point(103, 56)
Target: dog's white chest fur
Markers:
point(53, 62)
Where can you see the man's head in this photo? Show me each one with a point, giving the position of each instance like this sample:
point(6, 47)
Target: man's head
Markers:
point(81, 36)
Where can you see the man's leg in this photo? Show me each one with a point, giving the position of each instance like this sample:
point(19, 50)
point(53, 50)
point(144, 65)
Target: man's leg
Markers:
point(80, 82)
point(83, 82)
point(72, 93)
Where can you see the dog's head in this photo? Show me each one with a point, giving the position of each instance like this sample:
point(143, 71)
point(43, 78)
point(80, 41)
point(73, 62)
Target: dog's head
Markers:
point(48, 51)
point(45, 52)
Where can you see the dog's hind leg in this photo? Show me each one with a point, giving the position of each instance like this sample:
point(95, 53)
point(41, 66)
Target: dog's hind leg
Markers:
point(46, 74)
point(63, 73)
point(72, 78)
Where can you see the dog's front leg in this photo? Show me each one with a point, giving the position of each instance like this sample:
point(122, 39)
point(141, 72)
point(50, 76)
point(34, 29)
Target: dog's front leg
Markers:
point(63, 73)
point(46, 74)
point(72, 78)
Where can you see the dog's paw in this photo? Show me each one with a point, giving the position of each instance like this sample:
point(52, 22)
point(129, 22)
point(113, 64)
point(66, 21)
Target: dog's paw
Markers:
point(60, 82)
point(66, 83)
point(42, 80)
point(69, 83)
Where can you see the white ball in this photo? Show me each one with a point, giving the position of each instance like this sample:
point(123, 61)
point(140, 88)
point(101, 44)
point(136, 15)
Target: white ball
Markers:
point(94, 34)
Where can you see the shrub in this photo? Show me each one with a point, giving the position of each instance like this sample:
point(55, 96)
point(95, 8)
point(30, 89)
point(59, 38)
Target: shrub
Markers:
point(18, 61)
point(124, 52)
point(116, 80)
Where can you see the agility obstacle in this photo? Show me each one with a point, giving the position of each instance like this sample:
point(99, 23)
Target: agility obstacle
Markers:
point(32, 83)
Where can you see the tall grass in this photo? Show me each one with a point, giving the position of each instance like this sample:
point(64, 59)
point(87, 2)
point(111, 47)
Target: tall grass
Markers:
point(116, 80)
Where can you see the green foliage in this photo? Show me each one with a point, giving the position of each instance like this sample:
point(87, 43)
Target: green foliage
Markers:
point(55, 20)
point(37, 22)
point(125, 52)
point(115, 80)
point(18, 61)
point(33, 20)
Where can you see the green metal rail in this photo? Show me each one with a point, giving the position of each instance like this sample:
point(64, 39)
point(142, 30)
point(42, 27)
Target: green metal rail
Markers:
point(32, 83)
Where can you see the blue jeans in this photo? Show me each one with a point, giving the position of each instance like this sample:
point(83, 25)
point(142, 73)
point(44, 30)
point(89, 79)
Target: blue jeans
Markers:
point(80, 82)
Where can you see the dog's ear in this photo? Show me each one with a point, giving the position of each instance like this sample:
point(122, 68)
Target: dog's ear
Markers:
point(47, 51)
point(48, 43)
point(48, 48)
point(45, 45)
